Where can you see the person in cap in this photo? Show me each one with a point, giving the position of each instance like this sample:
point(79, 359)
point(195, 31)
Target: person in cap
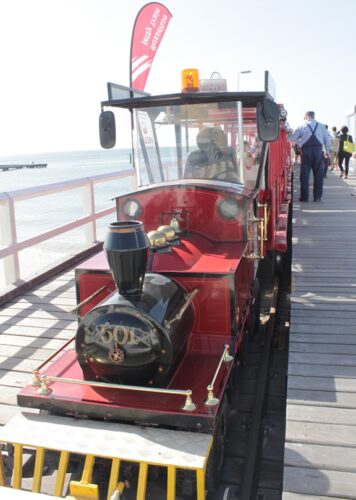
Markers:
point(214, 159)
point(312, 136)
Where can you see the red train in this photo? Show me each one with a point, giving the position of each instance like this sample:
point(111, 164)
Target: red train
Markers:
point(166, 307)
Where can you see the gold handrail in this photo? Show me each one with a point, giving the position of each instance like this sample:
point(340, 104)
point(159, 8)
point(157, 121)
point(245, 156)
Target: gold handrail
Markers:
point(88, 299)
point(45, 390)
point(211, 399)
point(36, 381)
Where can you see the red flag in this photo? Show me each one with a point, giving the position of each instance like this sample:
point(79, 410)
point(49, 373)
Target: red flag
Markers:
point(150, 25)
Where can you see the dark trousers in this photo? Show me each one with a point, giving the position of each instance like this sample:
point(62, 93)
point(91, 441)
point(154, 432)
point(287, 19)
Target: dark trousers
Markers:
point(312, 159)
point(346, 157)
point(326, 165)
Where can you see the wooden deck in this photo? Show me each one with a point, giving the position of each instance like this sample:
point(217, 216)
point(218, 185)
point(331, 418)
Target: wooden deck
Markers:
point(32, 328)
point(320, 447)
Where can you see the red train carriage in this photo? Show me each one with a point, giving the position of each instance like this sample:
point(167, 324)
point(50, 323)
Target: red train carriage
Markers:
point(165, 308)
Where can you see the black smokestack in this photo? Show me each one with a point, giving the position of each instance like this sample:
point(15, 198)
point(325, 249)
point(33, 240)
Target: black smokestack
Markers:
point(126, 245)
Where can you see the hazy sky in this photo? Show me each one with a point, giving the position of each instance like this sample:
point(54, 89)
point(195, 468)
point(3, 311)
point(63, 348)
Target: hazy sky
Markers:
point(57, 55)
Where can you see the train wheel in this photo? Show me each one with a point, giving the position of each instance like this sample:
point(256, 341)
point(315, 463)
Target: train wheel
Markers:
point(216, 459)
point(255, 308)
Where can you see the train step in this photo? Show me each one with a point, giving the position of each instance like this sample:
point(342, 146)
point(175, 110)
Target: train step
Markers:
point(95, 440)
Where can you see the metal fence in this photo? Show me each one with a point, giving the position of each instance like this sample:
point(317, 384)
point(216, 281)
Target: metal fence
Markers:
point(10, 246)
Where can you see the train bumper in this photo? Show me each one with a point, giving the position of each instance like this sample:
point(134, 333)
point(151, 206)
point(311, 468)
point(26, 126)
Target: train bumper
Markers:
point(145, 446)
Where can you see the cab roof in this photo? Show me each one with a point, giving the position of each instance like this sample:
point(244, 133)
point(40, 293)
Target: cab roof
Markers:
point(248, 99)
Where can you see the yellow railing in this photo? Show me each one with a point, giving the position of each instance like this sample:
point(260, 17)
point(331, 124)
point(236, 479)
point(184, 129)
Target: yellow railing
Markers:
point(114, 442)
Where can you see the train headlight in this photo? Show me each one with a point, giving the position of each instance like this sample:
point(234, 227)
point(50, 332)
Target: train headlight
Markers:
point(229, 208)
point(283, 114)
point(132, 209)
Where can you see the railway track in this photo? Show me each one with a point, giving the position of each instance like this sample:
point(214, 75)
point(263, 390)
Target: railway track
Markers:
point(253, 465)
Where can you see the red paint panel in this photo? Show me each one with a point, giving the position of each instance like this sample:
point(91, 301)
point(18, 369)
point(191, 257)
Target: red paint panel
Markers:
point(198, 209)
point(196, 254)
point(88, 283)
point(279, 177)
point(212, 309)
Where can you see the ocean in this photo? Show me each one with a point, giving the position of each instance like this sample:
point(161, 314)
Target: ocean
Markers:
point(37, 215)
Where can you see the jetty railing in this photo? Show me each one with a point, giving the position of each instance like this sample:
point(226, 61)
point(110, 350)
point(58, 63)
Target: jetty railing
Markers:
point(9, 244)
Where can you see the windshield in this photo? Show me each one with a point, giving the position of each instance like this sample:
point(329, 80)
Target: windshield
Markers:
point(211, 141)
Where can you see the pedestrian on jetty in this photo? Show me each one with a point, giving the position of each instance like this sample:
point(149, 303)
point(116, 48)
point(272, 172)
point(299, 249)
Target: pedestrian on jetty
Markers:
point(343, 155)
point(326, 157)
point(312, 136)
point(334, 150)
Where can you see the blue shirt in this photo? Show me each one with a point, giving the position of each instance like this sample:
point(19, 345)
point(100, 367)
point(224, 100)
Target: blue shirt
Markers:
point(303, 133)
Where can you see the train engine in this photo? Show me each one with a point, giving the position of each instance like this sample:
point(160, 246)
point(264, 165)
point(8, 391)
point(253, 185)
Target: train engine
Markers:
point(166, 307)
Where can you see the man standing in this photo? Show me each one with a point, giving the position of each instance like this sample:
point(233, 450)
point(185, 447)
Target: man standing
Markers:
point(334, 150)
point(311, 136)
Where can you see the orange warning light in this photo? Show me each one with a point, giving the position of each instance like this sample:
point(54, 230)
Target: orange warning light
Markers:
point(190, 80)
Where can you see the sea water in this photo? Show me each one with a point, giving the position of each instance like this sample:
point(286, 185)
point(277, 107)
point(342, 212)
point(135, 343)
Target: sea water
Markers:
point(40, 214)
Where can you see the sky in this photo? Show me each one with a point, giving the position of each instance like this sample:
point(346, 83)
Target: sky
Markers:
point(57, 55)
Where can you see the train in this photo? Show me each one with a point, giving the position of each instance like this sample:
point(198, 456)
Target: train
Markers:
point(166, 308)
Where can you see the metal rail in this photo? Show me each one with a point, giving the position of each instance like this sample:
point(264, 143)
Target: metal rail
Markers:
point(248, 483)
point(10, 246)
point(44, 390)
point(225, 358)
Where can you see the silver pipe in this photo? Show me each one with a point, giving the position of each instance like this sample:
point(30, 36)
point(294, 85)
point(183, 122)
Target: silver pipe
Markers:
point(188, 301)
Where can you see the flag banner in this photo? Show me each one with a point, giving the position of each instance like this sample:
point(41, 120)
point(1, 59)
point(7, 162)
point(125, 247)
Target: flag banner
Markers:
point(150, 26)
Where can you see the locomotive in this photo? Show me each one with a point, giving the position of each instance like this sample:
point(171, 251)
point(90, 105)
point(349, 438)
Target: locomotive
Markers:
point(167, 307)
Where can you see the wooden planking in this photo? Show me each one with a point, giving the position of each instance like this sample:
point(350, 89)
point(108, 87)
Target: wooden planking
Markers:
point(305, 338)
point(14, 378)
point(32, 331)
point(312, 481)
point(322, 398)
point(8, 395)
point(321, 370)
point(18, 364)
point(321, 383)
point(323, 415)
point(7, 412)
point(38, 317)
point(328, 435)
point(323, 359)
point(38, 342)
point(338, 457)
point(325, 348)
point(32, 328)
point(25, 352)
point(296, 496)
point(320, 447)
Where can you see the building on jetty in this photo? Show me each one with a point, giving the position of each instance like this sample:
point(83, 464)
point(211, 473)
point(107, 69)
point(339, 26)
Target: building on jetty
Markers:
point(23, 165)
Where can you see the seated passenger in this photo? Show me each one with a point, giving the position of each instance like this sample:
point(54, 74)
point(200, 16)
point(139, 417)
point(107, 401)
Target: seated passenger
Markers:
point(214, 159)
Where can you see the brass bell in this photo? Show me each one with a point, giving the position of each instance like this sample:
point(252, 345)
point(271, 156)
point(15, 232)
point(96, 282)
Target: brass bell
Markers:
point(156, 238)
point(168, 231)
